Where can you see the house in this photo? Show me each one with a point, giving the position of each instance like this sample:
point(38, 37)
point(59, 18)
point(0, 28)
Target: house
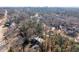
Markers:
point(40, 40)
point(77, 39)
point(53, 28)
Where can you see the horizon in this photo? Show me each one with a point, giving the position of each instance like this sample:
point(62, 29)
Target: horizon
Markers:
point(34, 7)
point(39, 3)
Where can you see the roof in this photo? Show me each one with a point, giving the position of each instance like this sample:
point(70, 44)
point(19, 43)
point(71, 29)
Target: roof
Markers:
point(38, 39)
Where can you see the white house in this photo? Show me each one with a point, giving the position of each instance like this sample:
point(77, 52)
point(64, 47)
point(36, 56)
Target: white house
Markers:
point(77, 39)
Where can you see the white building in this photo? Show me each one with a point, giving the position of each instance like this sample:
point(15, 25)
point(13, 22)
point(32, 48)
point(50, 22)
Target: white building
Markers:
point(77, 39)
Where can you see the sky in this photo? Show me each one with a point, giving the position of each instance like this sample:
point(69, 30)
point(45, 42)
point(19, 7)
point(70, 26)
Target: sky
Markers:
point(39, 3)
